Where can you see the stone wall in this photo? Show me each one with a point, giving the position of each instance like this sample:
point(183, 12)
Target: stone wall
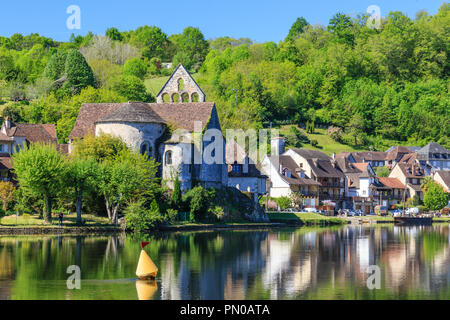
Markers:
point(173, 87)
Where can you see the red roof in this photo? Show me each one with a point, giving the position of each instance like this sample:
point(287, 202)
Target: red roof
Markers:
point(393, 183)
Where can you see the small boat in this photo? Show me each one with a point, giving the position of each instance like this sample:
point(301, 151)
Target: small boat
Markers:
point(416, 221)
point(146, 268)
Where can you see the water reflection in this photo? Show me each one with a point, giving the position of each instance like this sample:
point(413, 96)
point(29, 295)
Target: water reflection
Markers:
point(304, 263)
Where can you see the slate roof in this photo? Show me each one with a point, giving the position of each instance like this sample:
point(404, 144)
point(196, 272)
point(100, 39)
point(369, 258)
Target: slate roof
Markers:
point(288, 163)
point(311, 154)
point(325, 169)
point(432, 147)
point(133, 112)
point(369, 156)
point(397, 153)
point(181, 115)
point(392, 183)
point(33, 132)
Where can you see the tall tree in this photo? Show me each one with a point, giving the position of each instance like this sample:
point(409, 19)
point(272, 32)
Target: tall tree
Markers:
point(79, 74)
point(82, 176)
point(297, 28)
point(41, 169)
point(192, 48)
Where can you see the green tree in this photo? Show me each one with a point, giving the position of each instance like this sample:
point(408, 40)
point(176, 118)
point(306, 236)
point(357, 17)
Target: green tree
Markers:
point(127, 176)
point(176, 196)
point(382, 171)
point(135, 67)
point(79, 74)
point(297, 28)
point(114, 34)
point(341, 25)
point(82, 176)
point(138, 218)
point(40, 170)
point(151, 40)
point(283, 202)
point(132, 88)
point(435, 197)
point(100, 148)
point(56, 65)
point(192, 48)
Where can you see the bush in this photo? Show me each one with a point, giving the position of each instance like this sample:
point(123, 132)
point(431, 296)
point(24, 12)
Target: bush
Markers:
point(335, 133)
point(199, 203)
point(172, 215)
point(138, 218)
point(283, 202)
point(218, 213)
point(314, 143)
point(135, 67)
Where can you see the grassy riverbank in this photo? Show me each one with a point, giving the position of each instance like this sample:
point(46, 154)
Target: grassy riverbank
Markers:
point(68, 221)
point(305, 218)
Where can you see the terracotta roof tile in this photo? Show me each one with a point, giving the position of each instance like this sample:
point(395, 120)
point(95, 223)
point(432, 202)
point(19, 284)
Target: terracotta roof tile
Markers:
point(33, 132)
point(393, 183)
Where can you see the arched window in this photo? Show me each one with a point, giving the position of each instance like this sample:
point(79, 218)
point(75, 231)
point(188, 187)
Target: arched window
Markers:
point(185, 97)
point(166, 97)
point(180, 84)
point(176, 97)
point(146, 148)
point(168, 158)
point(194, 97)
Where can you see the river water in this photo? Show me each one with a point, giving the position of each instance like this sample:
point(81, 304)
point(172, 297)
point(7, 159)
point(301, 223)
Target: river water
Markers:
point(293, 263)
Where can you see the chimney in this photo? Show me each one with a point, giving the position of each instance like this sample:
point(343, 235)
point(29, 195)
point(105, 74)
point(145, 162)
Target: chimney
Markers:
point(277, 146)
point(6, 125)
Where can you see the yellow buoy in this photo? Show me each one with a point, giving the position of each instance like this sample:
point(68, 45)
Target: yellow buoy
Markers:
point(146, 289)
point(146, 269)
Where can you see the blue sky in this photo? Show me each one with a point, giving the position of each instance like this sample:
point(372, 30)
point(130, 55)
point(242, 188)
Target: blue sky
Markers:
point(262, 20)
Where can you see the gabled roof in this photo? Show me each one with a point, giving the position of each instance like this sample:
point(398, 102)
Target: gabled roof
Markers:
point(445, 176)
point(432, 147)
point(397, 152)
point(392, 183)
point(311, 154)
point(369, 156)
point(171, 78)
point(33, 132)
point(325, 169)
point(287, 162)
point(180, 115)
point(133, 112)
point(5, 138)
point(410, 170)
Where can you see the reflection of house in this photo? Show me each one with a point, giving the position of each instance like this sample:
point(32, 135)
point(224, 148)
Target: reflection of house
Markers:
point(242, 171)
point(164, 131)
point(411, 175)
point(15, 136)
point(324, 170)
point(443, 178)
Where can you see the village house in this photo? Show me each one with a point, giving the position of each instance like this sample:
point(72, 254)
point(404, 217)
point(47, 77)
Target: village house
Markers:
point(411, 175)
point(363, 191)
point(323, 169)
point(165, 130)
point(443, 178)
point(243, 173)
point(15, 136)
point(398, 154)
point(375, 158)
point(395, 192)
point(434, 155)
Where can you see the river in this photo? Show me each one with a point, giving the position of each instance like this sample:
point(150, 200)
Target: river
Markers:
point(288, 263)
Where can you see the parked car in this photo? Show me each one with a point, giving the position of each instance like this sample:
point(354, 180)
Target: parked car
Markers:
point(310, 210)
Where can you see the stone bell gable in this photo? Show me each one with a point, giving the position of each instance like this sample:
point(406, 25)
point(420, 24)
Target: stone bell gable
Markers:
point(180, 87)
